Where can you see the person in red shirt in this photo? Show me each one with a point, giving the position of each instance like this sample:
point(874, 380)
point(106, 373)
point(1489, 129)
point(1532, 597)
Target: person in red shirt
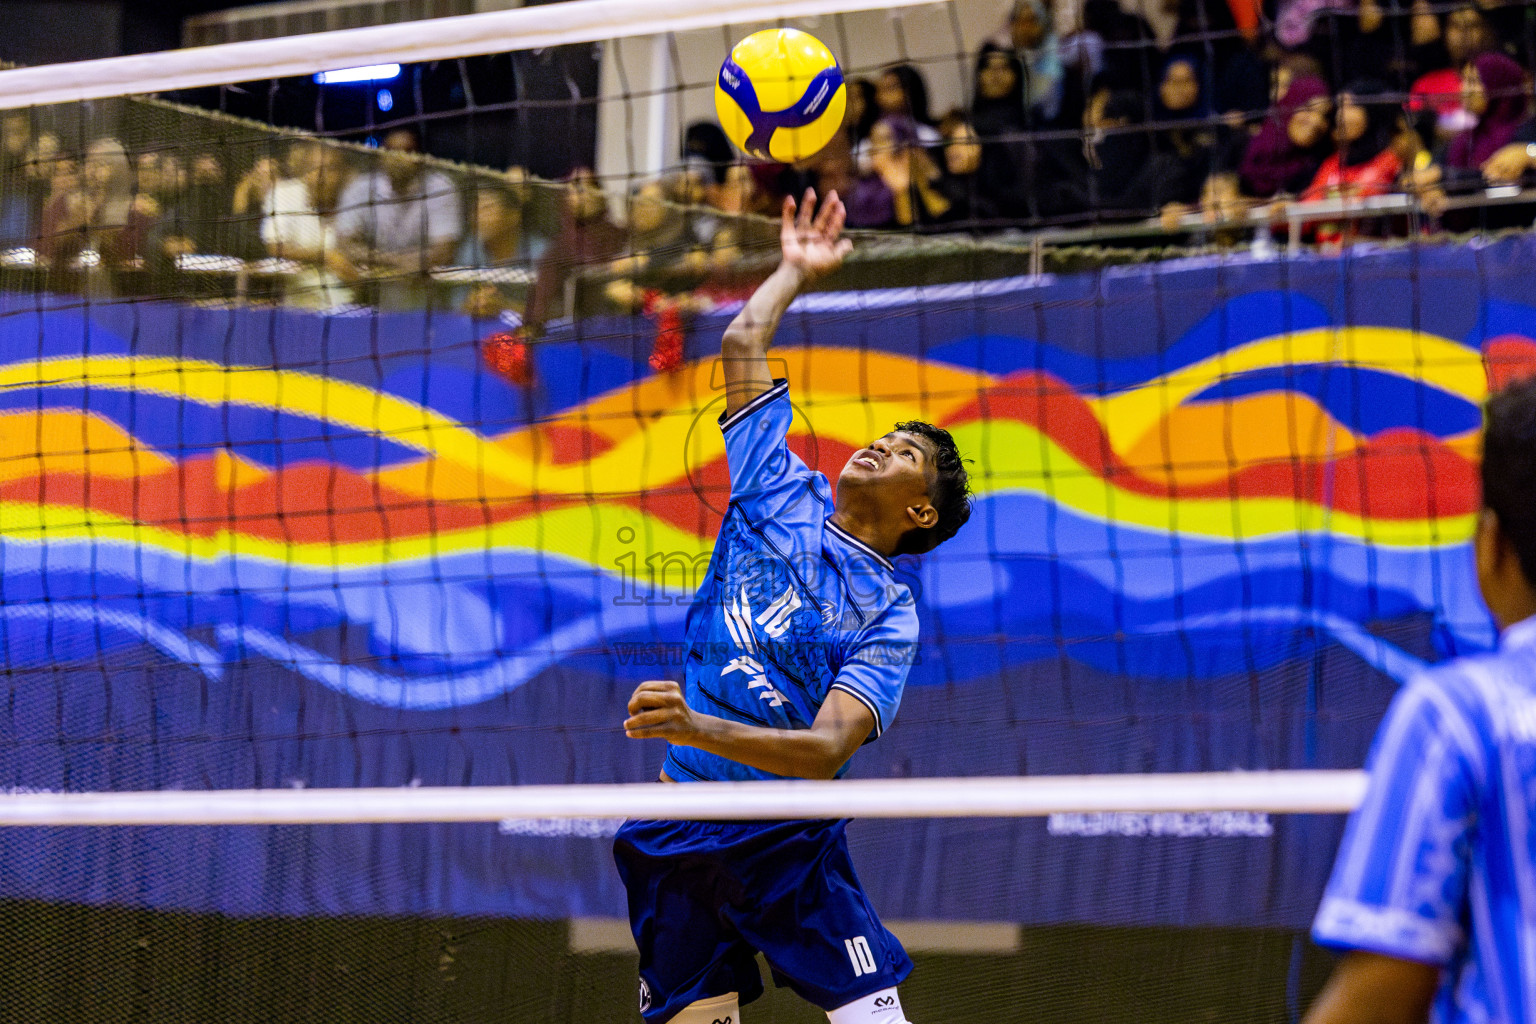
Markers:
point(1366, 163)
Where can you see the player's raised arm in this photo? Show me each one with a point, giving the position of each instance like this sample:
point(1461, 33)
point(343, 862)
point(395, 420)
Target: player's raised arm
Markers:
point(812, 245)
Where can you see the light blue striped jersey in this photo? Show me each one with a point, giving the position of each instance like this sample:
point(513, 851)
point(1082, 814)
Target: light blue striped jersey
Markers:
point(1438, 864)
point(792, 606)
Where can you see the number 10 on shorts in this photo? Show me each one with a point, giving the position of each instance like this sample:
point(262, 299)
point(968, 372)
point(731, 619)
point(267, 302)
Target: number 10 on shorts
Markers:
point(858, 952)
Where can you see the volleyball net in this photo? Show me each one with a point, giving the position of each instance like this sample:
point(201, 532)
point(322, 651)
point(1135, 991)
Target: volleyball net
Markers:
point(358, 457)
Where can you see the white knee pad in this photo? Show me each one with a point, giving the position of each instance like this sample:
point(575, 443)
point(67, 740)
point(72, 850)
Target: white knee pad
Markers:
point(719, 1010)
point(883, 1007)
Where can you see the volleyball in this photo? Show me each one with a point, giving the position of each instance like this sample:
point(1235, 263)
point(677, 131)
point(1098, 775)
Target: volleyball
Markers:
point(780, 95)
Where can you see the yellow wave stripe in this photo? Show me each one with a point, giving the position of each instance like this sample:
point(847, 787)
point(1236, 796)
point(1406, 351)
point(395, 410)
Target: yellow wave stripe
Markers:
point(1128, 416)
point(816, 376)
point(306, 394)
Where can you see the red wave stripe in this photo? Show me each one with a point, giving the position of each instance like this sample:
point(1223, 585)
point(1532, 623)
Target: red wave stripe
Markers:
point(1398, 474)
point(323, 504)
point(1037, 399)
point(311, 504)
point(569, 444)
point(1509, 358)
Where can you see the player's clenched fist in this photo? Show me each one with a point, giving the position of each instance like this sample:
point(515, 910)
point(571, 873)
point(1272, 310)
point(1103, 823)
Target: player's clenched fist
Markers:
point(657, 710)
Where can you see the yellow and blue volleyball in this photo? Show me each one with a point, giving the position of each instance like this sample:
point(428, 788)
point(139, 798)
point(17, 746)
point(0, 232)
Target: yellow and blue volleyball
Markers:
point(780, 95)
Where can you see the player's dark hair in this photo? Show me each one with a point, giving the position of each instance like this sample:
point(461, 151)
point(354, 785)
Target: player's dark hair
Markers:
point(1509, 468)
point(950, 491)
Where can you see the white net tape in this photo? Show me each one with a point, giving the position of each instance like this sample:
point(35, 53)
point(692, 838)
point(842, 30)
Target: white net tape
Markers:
point(468, 35)
point(1277, 792)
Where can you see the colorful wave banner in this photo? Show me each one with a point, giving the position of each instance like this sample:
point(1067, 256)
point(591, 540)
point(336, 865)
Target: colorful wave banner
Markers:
point(1222, 511)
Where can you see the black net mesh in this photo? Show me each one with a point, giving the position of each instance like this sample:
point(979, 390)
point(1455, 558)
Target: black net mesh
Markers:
point(367, 438)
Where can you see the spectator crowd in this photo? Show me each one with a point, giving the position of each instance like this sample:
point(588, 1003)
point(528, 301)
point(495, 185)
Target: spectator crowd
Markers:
point(1078, 112)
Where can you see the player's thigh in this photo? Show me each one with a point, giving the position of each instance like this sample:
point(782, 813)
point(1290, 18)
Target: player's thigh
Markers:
point(688, 951)
point(813, 922)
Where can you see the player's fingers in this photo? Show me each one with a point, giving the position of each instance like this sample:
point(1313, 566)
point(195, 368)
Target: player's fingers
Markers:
point(824, 216)
point(651, 715)
point(844, 248)
point(807, 210)
point(641, 701)
point(647, 721)
point(838, 215)
point(655, 694)
point(646, 696)
point(787, 215)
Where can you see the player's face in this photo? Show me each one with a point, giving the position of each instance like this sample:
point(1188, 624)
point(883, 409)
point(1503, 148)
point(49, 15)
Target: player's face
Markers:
point(897, 464)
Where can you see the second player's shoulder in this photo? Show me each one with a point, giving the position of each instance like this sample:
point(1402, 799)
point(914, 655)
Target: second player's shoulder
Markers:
point(1471, 686)
point(1463, 703)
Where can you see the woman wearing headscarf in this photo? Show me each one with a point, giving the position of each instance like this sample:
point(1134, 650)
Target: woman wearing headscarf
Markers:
point(1009, 164)
point(101, 214)
point(901, 188)
point(1108, 175)
point(981, 180)
point(1293, 142)
point(1493, 90)
point(1033, 37)
point(997, 109)
point(1029, 32)
point(861, 112)
point(1185, 154)
point(1366, 127)
point(900, 92)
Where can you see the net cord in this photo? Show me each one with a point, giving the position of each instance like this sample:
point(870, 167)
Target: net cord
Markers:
point(467, 35)
point(1274, 792)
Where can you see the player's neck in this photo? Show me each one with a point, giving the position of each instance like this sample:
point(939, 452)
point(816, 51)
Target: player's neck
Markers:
point(866, 527)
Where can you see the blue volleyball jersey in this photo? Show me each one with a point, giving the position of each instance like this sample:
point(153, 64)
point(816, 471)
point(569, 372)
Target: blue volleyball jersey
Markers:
point(1438, 864)
point(791, 606)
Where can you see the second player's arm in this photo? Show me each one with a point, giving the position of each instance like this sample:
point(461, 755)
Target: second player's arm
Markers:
point(658, 711)
point(1368, 988)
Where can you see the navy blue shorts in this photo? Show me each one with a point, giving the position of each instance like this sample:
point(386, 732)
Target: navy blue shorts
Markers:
point(706, 897)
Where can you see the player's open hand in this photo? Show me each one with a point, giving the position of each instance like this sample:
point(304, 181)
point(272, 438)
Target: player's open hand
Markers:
point(657, 710)
point(812, 239)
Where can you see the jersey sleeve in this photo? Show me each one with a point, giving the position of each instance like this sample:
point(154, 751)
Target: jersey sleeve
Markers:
point(1399, 883)
point(768, 481)
point(874, 672)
